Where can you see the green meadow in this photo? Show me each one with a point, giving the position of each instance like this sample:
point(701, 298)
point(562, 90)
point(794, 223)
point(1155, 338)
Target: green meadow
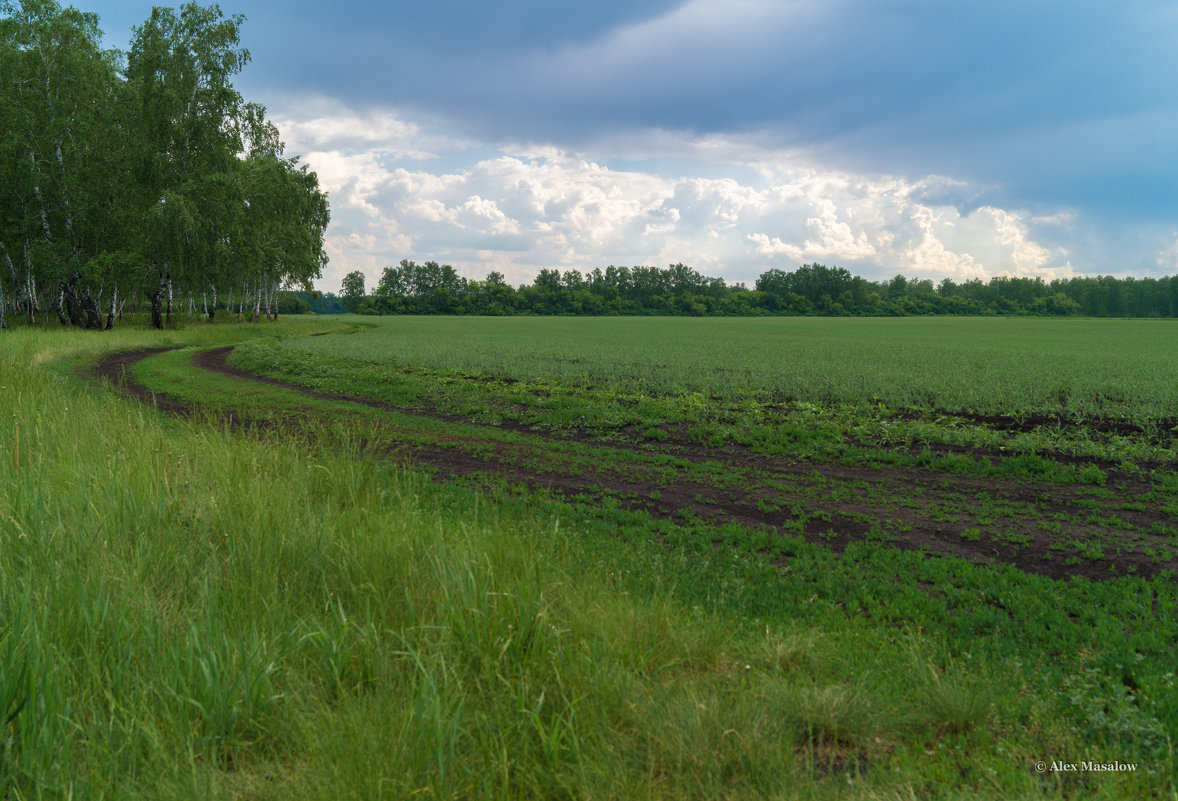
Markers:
point(590, 558)
point(992, 365)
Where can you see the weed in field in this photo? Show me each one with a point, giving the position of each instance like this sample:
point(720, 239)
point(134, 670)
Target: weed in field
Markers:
point(226, 687)
point(1092, 475)
point(953, 703)
point(343, 653)
point(830, 714)
point(796, 652)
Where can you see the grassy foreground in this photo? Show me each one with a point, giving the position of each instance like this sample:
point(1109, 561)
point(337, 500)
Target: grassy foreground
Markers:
point(188, 613)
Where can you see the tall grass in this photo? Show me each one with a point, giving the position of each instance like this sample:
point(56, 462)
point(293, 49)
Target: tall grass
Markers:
point(190, 614)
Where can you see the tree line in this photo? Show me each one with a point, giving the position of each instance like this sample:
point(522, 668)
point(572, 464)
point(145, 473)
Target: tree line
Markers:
point(143, 175)
point(811, 289)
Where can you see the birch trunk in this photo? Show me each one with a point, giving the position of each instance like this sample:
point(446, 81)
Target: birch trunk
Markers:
point(75, 246)
point(213, 308)
point(40, 202)
point(76, 306)
point(110, 316)
point(59, 305)
point(15, 285)
point(65, 203)
point(157, 304)
point(32, 306)
point(11, 268)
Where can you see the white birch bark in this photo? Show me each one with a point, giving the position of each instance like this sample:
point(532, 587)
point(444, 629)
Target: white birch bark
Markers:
point(59, 305)
point(110, 317)
point(32, 307)
point(11, 268)
point(40, 202)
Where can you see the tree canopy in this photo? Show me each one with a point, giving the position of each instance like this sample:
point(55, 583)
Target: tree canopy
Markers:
point(811, 289)
point(142, 174)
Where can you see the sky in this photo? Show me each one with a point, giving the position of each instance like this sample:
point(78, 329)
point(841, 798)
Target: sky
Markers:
point(931, 138)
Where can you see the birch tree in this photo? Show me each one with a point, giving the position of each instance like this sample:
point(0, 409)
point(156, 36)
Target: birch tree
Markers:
point(143, 171)
point(180, 69)
point(282, 226)
point(58, 151)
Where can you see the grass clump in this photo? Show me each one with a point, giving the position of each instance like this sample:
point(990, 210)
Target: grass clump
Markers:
point(832, 714)
point(954, 703)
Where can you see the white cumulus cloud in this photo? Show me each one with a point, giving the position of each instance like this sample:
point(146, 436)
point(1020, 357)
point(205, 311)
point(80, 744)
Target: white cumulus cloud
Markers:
point(528, 207)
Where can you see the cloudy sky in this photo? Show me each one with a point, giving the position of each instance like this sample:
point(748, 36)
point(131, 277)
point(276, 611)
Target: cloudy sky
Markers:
point(924, 137)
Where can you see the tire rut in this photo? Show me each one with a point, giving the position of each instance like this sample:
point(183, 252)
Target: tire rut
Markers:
point(785, 500)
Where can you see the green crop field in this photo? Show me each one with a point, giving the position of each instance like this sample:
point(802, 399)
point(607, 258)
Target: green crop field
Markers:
point(590, 558)
point(991, 365)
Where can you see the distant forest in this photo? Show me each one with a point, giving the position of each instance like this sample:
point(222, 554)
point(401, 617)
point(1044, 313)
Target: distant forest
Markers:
point(812, 289)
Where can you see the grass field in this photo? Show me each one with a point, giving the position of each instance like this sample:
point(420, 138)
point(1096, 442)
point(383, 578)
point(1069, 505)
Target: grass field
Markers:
point(530, 558)
point(1126, 368)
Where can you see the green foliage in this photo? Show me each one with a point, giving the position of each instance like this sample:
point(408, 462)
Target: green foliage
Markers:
point(955, 703)
point(146, 171)
point(1109, 712)
point(352, 290)
point(224, 689)
point(831, 714)
point(810, 290)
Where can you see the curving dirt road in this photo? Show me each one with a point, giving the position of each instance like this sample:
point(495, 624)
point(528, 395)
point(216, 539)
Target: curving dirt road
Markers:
point(853, 498)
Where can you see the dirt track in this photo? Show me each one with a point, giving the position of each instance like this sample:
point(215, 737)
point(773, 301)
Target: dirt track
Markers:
point(922, 521)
